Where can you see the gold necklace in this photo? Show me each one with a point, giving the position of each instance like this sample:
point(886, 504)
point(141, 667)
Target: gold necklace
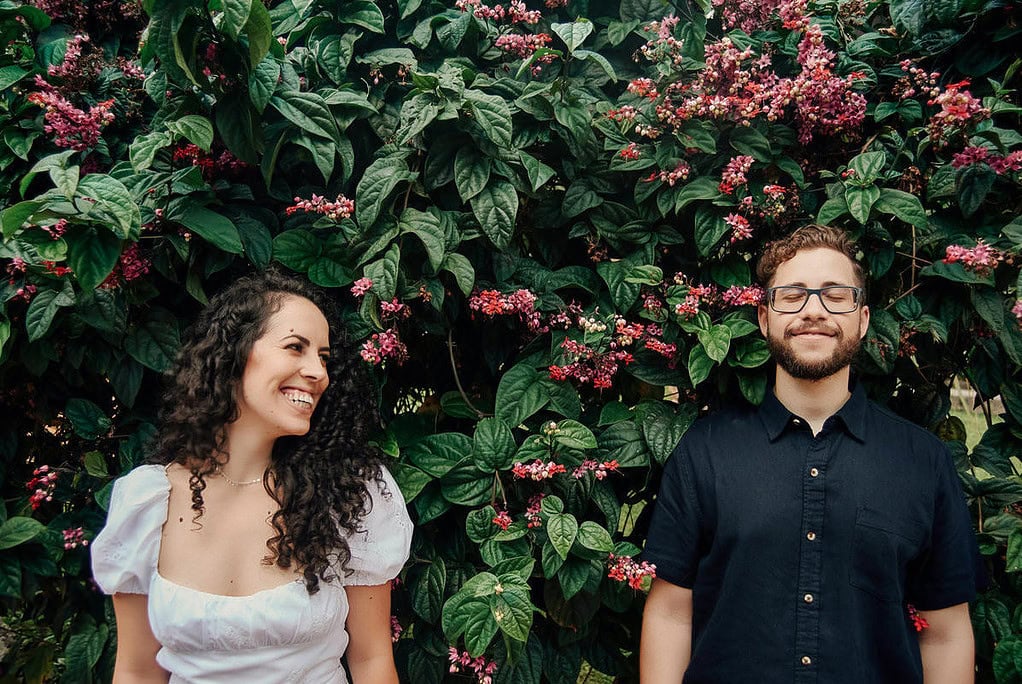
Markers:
point(234, 483)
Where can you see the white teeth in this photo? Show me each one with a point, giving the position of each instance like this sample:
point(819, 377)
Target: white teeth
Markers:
point(299, 398)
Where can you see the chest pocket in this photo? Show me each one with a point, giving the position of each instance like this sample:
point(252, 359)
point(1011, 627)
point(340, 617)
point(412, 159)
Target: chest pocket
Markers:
point(881, 550)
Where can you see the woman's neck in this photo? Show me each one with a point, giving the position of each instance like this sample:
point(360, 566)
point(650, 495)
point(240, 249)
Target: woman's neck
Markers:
point(249, 452)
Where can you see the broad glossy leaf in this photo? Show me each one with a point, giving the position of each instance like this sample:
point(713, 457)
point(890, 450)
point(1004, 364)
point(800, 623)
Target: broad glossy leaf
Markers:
point(492, 114)
point(496, 207)
point(18, 530)
point(235, 16)
point(364, 14)
point(110, 203)
point(92, 256)
point(471, 172)
point(196, 129)
point(493, 445)
point(384, 271)
point(562, 528)
point(520, 394)
point(574, 33)
point(88, 420)
point(212, 227)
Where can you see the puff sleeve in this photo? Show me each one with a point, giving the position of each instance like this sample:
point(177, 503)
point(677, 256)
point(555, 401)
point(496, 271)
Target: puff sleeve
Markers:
point(380, 550)
point(125, 554)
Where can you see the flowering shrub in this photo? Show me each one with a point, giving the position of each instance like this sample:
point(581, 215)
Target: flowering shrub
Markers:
point(541, 228)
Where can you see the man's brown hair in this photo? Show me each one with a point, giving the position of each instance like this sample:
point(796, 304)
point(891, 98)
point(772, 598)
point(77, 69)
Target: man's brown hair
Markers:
point(812, 236)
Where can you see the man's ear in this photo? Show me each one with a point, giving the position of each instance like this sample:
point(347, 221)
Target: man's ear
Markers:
point(762, 312)
point(863, 321)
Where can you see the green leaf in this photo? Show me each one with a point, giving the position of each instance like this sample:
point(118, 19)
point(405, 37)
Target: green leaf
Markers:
point(153, 344)
point(747, 140)
point(297, 249)
point(861, 200)
point(701, 188)
point(111, 203)
point(43, 308)
point(144, 148)
point(622, 292)
point(466, 485)
point(384, 271)
point(425, 226)
point(622, 442)
point(906, 207)
point(259, 29)
point(699, 364)
point(9, 75)
point(14, 217)
point(710, 229)
point(308, 111)
point(92, 256)
point(364, 14)
point(492, 114)
point(831, 210)
point(538, 172)
point(197, 129)
point(867, 166)
point(753, 387)
point(562, 528)
point(88, 420)
point(574, 435)
point(462, 269)
point(663, 432)
point(262, 82)
point(989, 304)
point(956, 272)
point(579, 198)
point(95, 465)
point(573, 34)
point(716, 342)
point(512, 611)
point(1013, 557)
point(378, 182)
point(520, 394)
point(426, 586)
point(235, 17)
point(438, 454)
point(493, 445)
point(495, 207)
point(973, 184)
point(471, 172)
point(594, 537)
point(212, 227)
point(18, 530)
point(601, 61)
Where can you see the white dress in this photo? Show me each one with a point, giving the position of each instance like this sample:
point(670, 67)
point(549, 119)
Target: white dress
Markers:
point(277, 635)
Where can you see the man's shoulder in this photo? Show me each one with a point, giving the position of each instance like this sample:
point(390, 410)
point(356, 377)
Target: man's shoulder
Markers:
point(730, 423)
point(889, 426)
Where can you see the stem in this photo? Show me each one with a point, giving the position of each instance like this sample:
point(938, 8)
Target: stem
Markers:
point(457, 378)
point(498, 483)
point(914, 245)
point(903, 295)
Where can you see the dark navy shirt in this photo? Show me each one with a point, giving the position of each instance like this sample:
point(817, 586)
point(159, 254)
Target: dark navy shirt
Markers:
point(802, 552)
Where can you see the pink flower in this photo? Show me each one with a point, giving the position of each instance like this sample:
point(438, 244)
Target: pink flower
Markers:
point(537, 470)
point(734, 173)
point(382, 346)
point(598, 469)
point(740, 227)
point(42, 485)
point(981, 259)
point(340, 208)
point(72, 127)
point(502, 520)
point(361, 287)
point(395, 629)
point(74, 537)
point(624, 569)
point(751, 295)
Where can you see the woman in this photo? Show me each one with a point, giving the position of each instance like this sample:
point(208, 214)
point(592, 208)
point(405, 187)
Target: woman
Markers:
point(262, 547)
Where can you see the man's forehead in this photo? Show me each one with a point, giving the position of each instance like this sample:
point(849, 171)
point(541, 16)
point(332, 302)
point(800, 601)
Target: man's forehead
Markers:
point(817, 264)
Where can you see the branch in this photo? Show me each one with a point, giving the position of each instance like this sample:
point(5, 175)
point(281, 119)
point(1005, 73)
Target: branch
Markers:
point(457, 378)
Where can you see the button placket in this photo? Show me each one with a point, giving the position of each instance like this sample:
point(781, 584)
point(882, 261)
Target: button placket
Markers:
point(807, 614)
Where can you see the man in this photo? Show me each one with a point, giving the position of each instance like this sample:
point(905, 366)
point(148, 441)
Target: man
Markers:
point(790, 539)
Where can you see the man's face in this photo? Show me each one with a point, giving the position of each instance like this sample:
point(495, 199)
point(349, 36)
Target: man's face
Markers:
point(814, 344)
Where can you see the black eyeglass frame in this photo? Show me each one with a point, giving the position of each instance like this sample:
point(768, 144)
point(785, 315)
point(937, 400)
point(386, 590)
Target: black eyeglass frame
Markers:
point(818, 291)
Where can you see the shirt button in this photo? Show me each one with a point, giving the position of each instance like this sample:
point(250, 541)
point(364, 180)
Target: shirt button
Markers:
point(796, 421)
point(811, 536)
point(808, 598)
point(814, 472)
point(806, 660)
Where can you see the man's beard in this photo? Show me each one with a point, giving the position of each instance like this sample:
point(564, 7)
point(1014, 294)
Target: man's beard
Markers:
point(784, 354)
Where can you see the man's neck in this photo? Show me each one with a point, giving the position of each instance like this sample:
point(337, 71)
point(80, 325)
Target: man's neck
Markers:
point(813, 400)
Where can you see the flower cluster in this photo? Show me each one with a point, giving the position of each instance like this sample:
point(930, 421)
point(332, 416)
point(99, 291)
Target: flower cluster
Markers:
point(384, 345)
point(599, 470)
point(959, 110)
point(916, 80)
point(981, 259)
point(523, 45)
point(213, 166)
point(697, 296)
point(57, 230)
point(482, 668)
point(77, 71)
point(361, 287)
point(42, 485)
point(737, 85)
point(338, 209)
point(537, 470)
point(521, 303)
point(740, 227)
point(747, 15)
point(56, 271)
point(130, 266)
point(69, 11)
point(74, 537)
point(733, 175)
point(72, 128)
point(981, 155)
point(624, 569)
point(918, 621)
point(664, 48)
point(514, 13)
point(589, 366)
point(395, 629)
point(1016, 310)
point(502, 520)
point(532, 517)
point(630, 152)
point(736, 295)
point(681, 172)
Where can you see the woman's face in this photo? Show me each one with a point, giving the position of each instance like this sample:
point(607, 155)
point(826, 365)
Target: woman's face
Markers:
point(286, 371)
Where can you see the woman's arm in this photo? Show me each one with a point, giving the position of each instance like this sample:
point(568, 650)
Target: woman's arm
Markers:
point(370, 652)
point(136, 645)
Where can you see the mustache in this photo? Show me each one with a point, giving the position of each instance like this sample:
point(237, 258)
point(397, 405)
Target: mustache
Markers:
point(823, 330)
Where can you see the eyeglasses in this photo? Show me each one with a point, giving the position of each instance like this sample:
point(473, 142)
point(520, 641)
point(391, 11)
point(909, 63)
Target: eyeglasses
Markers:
point(836, 299)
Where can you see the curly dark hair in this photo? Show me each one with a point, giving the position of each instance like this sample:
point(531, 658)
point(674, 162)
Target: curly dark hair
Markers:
point(319, 480)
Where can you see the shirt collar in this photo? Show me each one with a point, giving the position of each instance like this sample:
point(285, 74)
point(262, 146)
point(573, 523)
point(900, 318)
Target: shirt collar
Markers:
point(852, 415)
